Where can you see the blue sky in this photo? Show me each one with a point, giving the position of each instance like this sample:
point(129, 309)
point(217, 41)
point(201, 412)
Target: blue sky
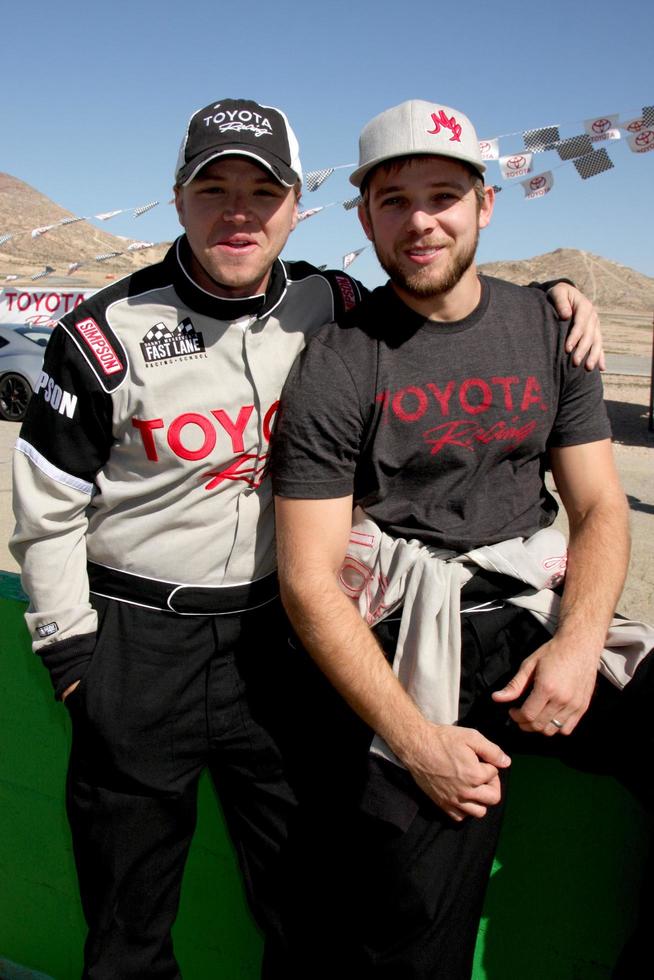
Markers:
point(97, 97)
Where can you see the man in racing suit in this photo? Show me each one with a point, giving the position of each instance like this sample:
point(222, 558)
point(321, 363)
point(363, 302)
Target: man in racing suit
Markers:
point(146, 539)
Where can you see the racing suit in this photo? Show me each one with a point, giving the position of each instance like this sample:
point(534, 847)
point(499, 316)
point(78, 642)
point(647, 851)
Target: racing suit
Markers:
point(146, 540)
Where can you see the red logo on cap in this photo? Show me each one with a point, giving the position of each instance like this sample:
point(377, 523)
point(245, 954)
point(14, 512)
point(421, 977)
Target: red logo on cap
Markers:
point(536, 182)
point(601, 125)
point(441, 121)
point(516, 163)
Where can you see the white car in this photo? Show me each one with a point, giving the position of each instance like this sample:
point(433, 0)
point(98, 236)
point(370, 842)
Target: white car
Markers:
point(21, 358)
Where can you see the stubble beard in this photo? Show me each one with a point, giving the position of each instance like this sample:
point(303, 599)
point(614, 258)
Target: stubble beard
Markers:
point(423, 283)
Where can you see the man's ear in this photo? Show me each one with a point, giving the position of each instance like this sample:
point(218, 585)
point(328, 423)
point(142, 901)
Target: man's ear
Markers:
point(179, 203)
point(364, 218)
point(486, 209)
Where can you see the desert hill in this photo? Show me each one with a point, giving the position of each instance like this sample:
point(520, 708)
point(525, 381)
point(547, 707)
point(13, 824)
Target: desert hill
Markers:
point(23, 208)
point(611, 286)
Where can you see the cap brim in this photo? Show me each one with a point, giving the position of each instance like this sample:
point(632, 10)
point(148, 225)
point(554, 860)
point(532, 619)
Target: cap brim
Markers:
point(280, 171)
point(358, 176)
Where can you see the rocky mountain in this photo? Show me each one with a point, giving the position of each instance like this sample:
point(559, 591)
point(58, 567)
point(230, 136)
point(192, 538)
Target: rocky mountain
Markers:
point(22, 208)
point(612, 287)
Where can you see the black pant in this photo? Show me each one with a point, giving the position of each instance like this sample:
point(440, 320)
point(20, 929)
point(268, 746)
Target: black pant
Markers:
point(164, 696)
point(400, 886)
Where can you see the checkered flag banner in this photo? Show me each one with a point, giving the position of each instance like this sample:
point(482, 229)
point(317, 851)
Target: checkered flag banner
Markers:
point(106, 256)
point(43, 274)
point(138, 246)
point(5, 238)
point(489, 149)
point(349, 258)
point(73, 267)
point(576, 146)
point(538, 186)
point(315, 178)
point(68, 221)
point(108, 214)
point(602, 128)
point(309, 213)
point(497, 188)
point(648, 116)
point(354, 202)
point(146, 207)
point(593, 163)
point(539, 140)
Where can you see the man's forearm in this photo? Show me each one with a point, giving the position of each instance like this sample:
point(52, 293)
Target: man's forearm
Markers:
point(598, 558)
point(339, 640)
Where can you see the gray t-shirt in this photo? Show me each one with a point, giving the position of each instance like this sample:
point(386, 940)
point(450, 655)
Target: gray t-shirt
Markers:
point(439, 430)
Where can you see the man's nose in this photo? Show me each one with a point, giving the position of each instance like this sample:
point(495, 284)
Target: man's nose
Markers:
point(421, 221)
point(236, 208)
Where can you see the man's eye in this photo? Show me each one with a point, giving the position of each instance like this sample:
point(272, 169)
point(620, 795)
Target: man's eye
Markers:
point(390, 202)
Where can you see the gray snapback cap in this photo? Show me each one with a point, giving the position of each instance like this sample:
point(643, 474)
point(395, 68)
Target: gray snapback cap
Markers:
point(416, 128)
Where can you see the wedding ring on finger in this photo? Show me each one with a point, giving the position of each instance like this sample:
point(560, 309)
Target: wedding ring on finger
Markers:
point(557, 724)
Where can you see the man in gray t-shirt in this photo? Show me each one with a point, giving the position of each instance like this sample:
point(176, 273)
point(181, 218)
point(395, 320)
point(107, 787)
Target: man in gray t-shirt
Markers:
point(435, 407)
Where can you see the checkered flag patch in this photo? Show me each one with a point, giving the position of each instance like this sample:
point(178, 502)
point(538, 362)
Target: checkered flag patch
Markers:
point(354, 202)
point(593, 163)
point(576, 146)
point(107, 256)
point(315, 178)
point(497, 188)
point(156, 333)
point(539, 140)
point(648, 116)
point(5, 238)
point(185, 328)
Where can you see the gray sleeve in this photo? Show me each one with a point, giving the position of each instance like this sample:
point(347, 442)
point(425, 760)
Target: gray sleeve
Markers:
point(319, 429)
point(581, 415)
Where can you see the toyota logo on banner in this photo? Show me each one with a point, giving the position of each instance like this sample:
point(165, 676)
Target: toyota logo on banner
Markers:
point(601, 125)
point(516, 163)
point(636, 125)
point(645, 139)
point(537, 182)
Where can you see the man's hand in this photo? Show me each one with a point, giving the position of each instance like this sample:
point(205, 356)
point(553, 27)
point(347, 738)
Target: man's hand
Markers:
point(562, 679)
point(585, 337)
point(458, 770)
point(69, 690)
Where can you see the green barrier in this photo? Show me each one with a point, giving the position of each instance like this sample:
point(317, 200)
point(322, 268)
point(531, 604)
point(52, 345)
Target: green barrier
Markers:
point(559, 904)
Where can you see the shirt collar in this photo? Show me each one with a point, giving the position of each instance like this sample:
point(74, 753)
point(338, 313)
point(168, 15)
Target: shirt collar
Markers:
point(217, 307)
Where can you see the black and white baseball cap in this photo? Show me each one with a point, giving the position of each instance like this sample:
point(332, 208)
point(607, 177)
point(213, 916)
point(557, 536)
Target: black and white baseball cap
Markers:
point(417, 128)
point(240, 127)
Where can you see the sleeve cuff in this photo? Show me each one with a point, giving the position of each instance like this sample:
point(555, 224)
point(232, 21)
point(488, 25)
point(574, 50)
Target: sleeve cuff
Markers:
point(68, 660)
